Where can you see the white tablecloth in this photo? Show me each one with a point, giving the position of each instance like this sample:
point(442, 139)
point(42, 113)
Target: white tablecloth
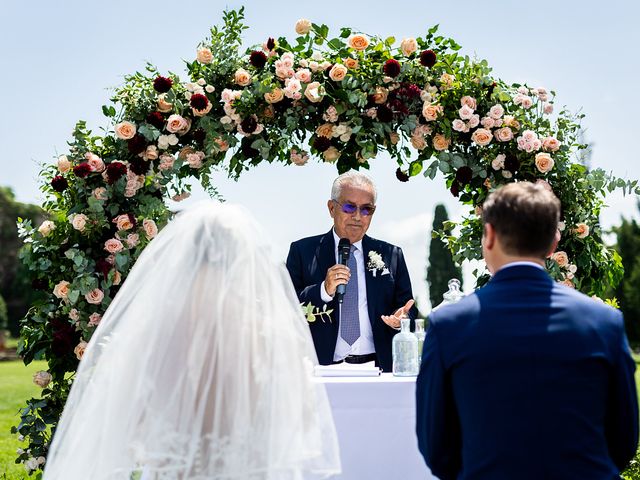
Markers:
point(375, 419)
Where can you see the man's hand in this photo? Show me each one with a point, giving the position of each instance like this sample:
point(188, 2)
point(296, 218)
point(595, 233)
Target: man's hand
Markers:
point(394, 320)
point(336, 275)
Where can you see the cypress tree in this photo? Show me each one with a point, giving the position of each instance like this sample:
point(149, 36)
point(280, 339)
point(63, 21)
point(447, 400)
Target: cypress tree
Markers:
point(441, 267)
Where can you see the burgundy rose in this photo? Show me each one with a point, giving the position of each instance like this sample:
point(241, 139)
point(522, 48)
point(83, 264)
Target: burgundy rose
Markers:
point(162, 84)
point(321, 143)
point(398, 106)
point(428, 58)
point(115, 171)
point(464, 175)
point(139, 166)
point(271, 43)
point(64, 338)
point(59, 183)
point(199, 135)
point(385, 114)
point(391, 67)
point(103, 267)
point(82, 170)
point(137, 144)
point(258, 59)
point(512, 163)
point(490, 89)
point(199, 101)
point(410, 90)
point(247, 149)
point(249, 124)
point(39, 284)
point(402, 176)
point(156, 119)
point(455, 189)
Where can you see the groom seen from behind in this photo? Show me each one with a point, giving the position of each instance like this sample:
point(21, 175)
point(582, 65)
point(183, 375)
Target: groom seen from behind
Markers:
point(378, 288)
point(526, 378)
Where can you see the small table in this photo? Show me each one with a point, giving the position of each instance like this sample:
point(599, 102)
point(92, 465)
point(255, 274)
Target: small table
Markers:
point(375, 419)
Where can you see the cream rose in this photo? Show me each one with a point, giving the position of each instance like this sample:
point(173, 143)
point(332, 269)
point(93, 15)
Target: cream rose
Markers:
point(303, 26)
point(61, 290)
point(314, 92)
point(358, 42)
point(504, 134)
point(113, 245)
point(95, 296)
point(242, 77)
point(440, 142)
point(132, 240)
point(64, 165)
point(482, 137)
point(80, 349)
point(544, 162)
point(331, 154)
point(163, 105)
point(430, 112)
point(150, 228)
point(338, 72)
point(42, 378)
point(74, 315)
point(581, 230)
point(46, 228)
point(274, 96)
point(561, 258)
point(204, 55)
point(125, 130)
point(79, 221)
point(325, 130)
point(408, 46)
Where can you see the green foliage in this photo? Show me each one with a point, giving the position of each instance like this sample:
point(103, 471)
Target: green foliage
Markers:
point(441, 267)
point(4, 317)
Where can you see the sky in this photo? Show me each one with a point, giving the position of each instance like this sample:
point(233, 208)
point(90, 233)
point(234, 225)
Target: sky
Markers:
point(59, 61)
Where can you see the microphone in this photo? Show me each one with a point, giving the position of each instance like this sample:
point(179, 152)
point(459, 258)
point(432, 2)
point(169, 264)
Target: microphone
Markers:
point(344, 250)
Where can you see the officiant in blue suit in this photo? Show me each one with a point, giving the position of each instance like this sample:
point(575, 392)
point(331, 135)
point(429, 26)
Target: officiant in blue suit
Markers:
point(378, 288)
point(526, 378)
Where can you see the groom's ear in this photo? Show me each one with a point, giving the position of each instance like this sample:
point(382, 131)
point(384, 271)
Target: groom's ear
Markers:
point(488, 236)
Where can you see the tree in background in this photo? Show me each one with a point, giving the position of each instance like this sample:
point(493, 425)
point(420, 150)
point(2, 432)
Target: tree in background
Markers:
point(627, 292)
point(441, 267)
point(15, 282)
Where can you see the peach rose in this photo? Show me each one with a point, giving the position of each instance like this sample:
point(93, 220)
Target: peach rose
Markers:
point(166, 161)
point(430, 112)
point(551, 144)
point(123, 222)
point(314, 92)
point(510, 121)
point(274, 96)
point(331, 154)
point(418, 142)
point(303, 26)
point(64, 165)
point(380, 95)
point(482, 137)
point(150, 228)
point(80, 349)
point(504, 134)
point(394, 137)
point(568, 283)
point(242, 77)
point(46, 228)
point(42, 378)
point(469, 102)
point(125, 130)
point(338, 72)
point(94, 319)
point(117, 277)
point(325, 130)
point(61, 290)
point(79, 221)
point(544, 162)
point(95, 296)
point(100, 193)
point(163, 105)
point(222, 144)
point(204, 55)
point(440, 142)
point(581, 230)
point(446, 80)
point(408, 46)
point(177, 124)
point(113, 245)
point(561, 258)
point(358, 42)
point(351, 63)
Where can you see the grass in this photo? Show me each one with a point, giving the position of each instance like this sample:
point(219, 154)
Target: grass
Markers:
point(16, 386)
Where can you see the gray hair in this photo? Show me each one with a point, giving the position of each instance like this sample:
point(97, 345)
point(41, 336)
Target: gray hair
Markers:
point(352, 178)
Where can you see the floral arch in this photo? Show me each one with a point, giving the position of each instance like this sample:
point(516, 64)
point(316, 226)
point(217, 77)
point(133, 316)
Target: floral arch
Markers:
point(339, 99)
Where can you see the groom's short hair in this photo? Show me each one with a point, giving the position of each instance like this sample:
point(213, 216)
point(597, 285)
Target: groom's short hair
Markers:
point(524, 216)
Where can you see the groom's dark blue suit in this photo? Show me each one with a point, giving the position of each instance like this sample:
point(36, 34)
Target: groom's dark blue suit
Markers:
point(308, 262)
point(526, 379)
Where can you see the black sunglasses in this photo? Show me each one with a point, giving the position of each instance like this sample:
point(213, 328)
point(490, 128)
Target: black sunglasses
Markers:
point(350, 208)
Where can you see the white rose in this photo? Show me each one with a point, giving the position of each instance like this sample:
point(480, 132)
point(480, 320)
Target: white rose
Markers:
point(303, 26)
point(46, 228)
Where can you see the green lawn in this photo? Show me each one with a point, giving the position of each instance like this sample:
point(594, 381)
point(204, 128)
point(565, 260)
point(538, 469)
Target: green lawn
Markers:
point(16, 386)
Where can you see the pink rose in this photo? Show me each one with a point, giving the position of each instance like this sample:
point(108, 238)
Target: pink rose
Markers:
point(74, 315)
point(177, 124)
point(125, 130)
point(299, 158)
point(581, 230)
point(431, 112)
point(79, 221)
point(203, 112)
point(42, 378)
point(150, 228)
point(474, 121)
point(482, 137)
point(95, 296)
point(100, 193)
point(166, 161)
point(46, 228)
point(95, 162)
point(242, 77)
point(550, 144)
point(94, 319)
point(487, 122)
point(469, 102)
point(498, 162)
point(113, 245)
point(504, 134)
point(394, 137)
point(117, 277)
point(465, 112)
point(548, 108)
point(222, 144)
point(204, 55)
point(380, 95)
point(418, 142)
point(80, 349)
point(304, 75)
point(544, 162)
point(496, 111)
point(123, 222)
point(64, 165)
point(338, 72)
point(459, 126)
point(314, 92)
point(408, 46)
point(61, 290)
point(194, 160)
point(274, 96)
point(132, 240)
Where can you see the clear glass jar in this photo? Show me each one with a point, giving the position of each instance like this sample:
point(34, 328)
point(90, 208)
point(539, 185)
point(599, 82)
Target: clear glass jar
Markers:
point(420, 334)
point(405, 351)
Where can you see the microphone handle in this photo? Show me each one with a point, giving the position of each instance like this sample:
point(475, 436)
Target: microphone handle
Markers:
point(342, 288)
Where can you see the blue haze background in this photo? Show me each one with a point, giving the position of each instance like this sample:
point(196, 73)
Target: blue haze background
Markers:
point(59, 59)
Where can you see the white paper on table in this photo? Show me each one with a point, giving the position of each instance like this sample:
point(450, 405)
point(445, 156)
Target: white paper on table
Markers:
point(347, 370)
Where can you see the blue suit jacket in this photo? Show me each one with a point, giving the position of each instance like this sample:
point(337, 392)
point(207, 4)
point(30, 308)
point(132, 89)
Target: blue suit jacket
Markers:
point(526, 379)
point(308, 262)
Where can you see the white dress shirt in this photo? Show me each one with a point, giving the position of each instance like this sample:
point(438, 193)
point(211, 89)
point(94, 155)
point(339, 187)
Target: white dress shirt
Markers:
point(364, 344)
point(520, 263)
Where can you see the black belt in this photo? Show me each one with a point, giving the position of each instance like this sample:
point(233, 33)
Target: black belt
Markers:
point(369, 357)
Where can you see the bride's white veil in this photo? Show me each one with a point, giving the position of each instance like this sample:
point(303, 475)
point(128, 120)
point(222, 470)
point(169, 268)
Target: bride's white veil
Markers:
point(201, 367)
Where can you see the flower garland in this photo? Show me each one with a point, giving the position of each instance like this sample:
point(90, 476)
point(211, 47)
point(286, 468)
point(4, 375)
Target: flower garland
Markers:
point(342, 100)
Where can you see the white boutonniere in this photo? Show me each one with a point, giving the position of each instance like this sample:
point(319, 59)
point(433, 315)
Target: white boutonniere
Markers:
point(376, 263)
